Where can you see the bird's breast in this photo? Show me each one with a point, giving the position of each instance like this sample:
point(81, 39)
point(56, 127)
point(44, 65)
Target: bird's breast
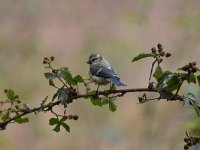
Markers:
point(99, 80)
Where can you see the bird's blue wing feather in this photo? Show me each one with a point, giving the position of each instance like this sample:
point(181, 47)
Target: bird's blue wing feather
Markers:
point(108, 72)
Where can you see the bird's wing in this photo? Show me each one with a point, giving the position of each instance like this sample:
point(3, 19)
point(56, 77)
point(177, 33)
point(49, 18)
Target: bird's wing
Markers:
point(107, 72)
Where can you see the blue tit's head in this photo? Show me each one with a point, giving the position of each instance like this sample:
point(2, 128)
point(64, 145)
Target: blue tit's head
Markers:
point(94, 59)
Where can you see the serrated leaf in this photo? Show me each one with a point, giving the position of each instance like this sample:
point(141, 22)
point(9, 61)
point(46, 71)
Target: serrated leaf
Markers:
point(198, 79)
point(57, 128)
point(158, 73)
point(79, 79)
point(50, 76)
point(5, 116)
point(53, 121)
point(22, 120)
point(141, 56)
point(10, 95)
point(191, 78)
point(66, 126)
point(112, 106)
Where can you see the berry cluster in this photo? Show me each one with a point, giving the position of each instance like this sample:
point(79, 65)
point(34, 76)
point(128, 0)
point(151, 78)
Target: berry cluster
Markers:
point(190, 68)
point(191, 141)
point(160, 51)
point(48, 60)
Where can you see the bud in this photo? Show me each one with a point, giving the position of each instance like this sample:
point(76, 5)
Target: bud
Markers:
point(150, 86)
point(191, 64)
point(194, 63)
point(51, 82)
point(70, 117)
point(153, 50)
point(162, 53)
point(185, 68)
point(16, 96)
point(168, 54)
point(75, 117)
point(186, 140)
point(186, 147)
point(194, 69)
point(5, 90)
point(160, 50)
point(140, 99)
point(52, 58)
point(190, 70)
point(18, 101)
point(189, 144)
point(159, 46)
point(17, 106)
point(45, 58)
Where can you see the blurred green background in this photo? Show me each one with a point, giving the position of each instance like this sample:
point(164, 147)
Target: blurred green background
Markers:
point(70, 30)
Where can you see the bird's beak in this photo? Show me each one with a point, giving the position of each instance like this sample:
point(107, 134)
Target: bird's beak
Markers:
point(88, 62)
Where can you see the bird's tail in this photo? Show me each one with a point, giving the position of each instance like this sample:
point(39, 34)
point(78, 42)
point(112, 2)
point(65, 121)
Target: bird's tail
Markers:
point(117, 82)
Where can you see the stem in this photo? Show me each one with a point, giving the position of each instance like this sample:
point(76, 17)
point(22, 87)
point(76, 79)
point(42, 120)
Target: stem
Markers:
point(152, 66)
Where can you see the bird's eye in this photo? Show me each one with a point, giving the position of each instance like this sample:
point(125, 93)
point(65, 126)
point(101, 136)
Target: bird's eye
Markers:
point(94, 59)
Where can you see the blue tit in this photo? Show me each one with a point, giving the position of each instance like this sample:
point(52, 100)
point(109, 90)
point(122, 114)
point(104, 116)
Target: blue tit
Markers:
point(101, 72)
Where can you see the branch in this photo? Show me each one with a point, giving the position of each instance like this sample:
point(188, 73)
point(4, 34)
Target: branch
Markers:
point(50, 105)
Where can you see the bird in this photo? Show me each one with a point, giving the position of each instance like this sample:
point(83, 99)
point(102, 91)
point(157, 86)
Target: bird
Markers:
point(101, 72)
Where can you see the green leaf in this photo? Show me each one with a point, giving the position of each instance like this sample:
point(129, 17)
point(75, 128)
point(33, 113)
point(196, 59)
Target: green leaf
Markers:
point(10, 95)
point(57, 128)
point(78, 79)
point(22, 120)
point(53, 121)
point(104, 101)
point(198, 79)
point(167, 72)
point(191, 78)
point(168, 82)
point(173, 83)
point(50, 76)
point(66, 126)
point(63, 119)
point(67, 76)
point(95, 101)
point(164, 94)
point(158, 73)
point(5, 116)
point(112, 106)
point(141, 56)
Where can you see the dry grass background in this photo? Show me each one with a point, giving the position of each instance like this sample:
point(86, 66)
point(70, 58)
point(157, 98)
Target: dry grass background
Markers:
point(70, 30)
